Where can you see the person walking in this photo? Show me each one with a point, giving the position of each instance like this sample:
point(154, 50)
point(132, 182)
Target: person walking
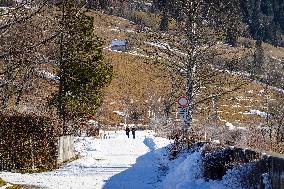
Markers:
point(133, 132)
point(127, 130)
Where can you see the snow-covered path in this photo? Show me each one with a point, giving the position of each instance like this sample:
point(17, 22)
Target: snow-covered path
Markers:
point(115, 163)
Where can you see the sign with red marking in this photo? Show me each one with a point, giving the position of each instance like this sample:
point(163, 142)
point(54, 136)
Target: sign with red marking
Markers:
point(183, 101)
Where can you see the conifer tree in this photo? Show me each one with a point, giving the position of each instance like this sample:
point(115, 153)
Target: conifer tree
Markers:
point(82, 71)
point(258, 61)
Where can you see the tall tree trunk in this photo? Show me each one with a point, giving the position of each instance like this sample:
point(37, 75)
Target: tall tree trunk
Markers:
point(61, 109)
point(191, 63)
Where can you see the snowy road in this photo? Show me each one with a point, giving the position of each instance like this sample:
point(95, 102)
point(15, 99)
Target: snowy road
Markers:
point(114, 163)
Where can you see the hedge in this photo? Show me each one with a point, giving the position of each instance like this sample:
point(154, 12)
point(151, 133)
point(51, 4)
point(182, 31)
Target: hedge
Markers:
point(27, 142)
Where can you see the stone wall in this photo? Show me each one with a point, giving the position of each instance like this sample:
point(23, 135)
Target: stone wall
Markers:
point(276, 172)
point(265, 170)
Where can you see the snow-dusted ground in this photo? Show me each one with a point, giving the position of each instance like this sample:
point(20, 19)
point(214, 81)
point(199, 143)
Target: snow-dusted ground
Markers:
point(115, 163)
point(125, 163)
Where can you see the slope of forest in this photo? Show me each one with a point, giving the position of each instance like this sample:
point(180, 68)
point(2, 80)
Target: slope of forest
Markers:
point(265, 19)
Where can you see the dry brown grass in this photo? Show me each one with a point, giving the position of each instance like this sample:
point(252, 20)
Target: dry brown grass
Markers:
point(130, 71)
point(111, 27)
point(138, 82)
point(134, 78)
point(134, 84)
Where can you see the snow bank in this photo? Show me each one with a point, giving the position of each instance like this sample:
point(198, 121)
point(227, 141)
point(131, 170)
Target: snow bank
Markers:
point(186, 173)
point(236, 178)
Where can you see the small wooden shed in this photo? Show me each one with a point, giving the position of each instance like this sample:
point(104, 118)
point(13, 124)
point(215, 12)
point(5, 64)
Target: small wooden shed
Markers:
point(119, 45)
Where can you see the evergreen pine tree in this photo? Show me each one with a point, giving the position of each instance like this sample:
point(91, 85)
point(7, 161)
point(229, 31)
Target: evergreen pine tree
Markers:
point(82, 71)
point(258, 61)
point(164, 25)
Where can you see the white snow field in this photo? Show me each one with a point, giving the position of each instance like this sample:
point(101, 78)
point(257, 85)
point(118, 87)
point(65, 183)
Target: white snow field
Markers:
point(125, 163)
point(114, 163)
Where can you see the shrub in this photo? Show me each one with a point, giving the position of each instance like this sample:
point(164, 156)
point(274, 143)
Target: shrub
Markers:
point(2, 182)
point(27, 142)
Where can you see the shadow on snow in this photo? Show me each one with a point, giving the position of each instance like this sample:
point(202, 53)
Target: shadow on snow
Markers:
point(145, 173)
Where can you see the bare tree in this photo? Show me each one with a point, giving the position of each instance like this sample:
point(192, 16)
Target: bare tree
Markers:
point(22, 50)
point(189, 51)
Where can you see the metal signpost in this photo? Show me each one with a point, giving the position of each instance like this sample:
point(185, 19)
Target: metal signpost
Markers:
point(183, 109)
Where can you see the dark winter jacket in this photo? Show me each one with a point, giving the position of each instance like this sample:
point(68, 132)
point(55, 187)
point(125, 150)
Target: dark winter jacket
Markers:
point(133, 131)
point(127, 130)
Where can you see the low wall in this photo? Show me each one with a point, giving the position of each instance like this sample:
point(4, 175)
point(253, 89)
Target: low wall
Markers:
point(276, 172)
point(262, 167)
point(65, 148)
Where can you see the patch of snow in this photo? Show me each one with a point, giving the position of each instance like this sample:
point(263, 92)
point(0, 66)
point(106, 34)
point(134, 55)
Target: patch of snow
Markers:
point(130, 30)
point(250, 91)
point(135, 53)
point(236, 106)
point(230, 126)
point(48, 75)
point(276, 58)
point(242, 128)
point(256, 112)
point(159, 45)
point(266, 181)
point(242, 98)
point(115, 29)
point(120, 113)
point(236, 178)
point(216, 141)
point(186, 173)
point(109, 48)
point(244, 74)
point(165, 46)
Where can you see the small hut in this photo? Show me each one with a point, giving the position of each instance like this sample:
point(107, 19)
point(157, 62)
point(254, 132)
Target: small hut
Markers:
point(119, 45)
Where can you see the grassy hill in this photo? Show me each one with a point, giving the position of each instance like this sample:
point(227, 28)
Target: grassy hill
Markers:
point(140, 86)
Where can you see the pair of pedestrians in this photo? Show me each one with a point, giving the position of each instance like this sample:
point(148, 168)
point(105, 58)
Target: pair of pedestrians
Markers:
point(127, 130)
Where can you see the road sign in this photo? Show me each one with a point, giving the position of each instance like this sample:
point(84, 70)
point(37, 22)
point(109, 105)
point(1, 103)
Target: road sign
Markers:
point(183, 101)
point(183, 112)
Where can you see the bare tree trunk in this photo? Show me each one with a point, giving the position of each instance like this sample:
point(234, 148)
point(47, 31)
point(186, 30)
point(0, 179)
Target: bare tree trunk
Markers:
point(62, 112)
point(191, 62)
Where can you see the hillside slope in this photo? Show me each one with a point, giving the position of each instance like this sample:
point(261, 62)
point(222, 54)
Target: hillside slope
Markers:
point(140, 87)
